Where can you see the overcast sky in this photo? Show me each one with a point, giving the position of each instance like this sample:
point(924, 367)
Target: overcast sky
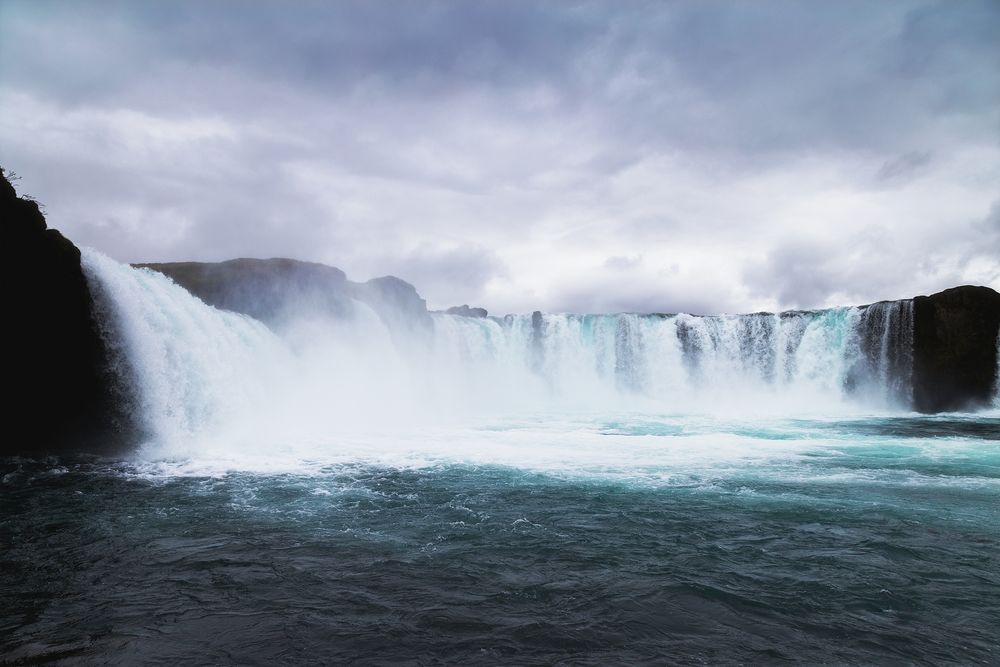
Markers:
point(569, 156)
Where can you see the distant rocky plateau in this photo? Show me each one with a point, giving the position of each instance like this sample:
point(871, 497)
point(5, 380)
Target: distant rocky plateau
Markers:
point(275, 290)
point(59, 375)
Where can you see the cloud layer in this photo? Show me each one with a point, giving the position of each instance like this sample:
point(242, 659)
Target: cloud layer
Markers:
point(689, 156)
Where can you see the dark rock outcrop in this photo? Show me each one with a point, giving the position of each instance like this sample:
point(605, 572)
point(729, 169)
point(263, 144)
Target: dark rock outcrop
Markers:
point(466, 311)
point(57, 381)
point(955, 349)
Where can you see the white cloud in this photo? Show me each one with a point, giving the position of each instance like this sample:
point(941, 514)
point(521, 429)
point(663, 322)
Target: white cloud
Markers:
point(596, 157)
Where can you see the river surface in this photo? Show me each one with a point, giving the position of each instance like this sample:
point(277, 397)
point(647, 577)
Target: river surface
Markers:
point(640, 540)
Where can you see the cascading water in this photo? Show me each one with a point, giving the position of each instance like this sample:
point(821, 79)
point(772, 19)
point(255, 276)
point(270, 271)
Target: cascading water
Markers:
point(203, 377)
point(690, 362)
point(533, 488)
point(886, 339)
point(190, 366)
point(200, 372)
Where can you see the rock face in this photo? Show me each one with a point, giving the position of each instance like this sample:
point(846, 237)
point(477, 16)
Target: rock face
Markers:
point(57, 378)
point(277, 290)
point(266, 289)
point(466, 311)
point(955, 349)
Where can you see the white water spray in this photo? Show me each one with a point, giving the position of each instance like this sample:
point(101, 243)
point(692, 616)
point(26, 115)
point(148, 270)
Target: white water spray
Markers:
point(207, 379)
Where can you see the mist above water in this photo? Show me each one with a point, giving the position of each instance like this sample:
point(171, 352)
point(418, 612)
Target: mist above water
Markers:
point(212, 383)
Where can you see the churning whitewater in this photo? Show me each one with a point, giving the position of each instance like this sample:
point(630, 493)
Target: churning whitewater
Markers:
point(215, 385)
point(533, 489)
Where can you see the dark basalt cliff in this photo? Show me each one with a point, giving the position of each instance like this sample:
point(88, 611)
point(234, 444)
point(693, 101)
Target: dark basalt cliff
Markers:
point(955, 349)
point(58, 388)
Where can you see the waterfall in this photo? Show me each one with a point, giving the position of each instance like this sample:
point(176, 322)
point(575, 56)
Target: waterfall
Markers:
point(830, 355)
point(199, 372)
point(191, 366)
point(887, 342)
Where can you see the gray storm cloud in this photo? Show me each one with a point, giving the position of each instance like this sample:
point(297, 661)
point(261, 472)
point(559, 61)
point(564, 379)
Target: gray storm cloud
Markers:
point(522, 155)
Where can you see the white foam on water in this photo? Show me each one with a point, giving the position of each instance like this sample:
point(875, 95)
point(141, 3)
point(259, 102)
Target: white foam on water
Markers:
point(217, 391)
